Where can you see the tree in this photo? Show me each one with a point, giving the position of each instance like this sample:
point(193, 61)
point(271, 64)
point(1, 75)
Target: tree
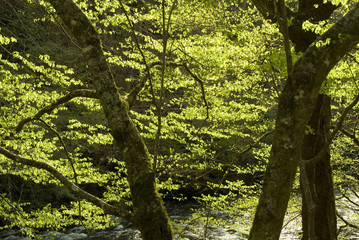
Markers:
point(296, 104)
point(321, 217)
point(191, 151)
point(201, 139)
point(147, 204)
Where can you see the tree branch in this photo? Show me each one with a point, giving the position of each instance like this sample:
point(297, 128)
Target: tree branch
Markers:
point(48, 109)
point(237, 155)
point(197, 79)
point(267, 9)
point(346, 222)
point(352, 136)
point(131, 97)
point(71, 161)
point(137, 42)
point(107, 208)
point(300, 38)
point(283, 26)
point(147, 203)
point(348, 198)
point(165, 30)
point(337, 128)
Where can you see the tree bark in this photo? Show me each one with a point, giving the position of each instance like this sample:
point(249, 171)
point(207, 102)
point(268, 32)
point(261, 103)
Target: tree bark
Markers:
point(301, 40)
point(296, 104)
point(149, 214)
point(318, 207)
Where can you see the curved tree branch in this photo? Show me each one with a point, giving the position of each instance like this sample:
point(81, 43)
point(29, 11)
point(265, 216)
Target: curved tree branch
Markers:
point(107, 208)
point(71, 161)
point(337, 128)
point(48, 109)
point(350, 135)
point(236, 157)
point(197, 79)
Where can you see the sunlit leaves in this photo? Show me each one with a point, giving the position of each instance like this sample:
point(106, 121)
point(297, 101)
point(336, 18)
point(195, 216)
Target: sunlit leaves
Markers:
point(5, 40)
point(225, 46)
point(318, 28)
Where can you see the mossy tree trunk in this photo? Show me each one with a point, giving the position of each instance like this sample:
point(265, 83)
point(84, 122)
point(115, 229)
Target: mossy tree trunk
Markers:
point(319, 219)
point(318, 207)
point(320, 123)
point(296, 104)
point(149, 214)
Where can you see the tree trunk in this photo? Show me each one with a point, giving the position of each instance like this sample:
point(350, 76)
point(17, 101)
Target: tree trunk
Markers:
point(149, 214)
point(281, 169)
point(318, 209)
point(302, 40)
point(296, 105)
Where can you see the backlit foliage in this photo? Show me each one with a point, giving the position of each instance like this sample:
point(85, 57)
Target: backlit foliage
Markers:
point(212, 144)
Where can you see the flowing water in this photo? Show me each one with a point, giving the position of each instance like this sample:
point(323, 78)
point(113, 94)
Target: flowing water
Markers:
point(182, 212)
point(125, 230)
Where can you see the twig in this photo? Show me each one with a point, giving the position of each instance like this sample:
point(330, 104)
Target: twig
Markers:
point(64, 30)
point(346, 222)
point(196, 78)
point(238, 154)
point(137, 43)
point(165, 29)
point(188, 55)
point(72, 166)
point(137, 89)
point(352, 136)
point(355, 193)
point(71, 161)
point(243, 152)
point(283, 27)
point(344, 195)
point(17, 209)
point(21, 213)
point(291, 219)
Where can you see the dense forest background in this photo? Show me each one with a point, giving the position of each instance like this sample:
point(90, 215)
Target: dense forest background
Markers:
point(199, 80)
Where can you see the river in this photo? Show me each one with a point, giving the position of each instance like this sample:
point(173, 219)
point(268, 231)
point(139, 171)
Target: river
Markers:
point(177, 212)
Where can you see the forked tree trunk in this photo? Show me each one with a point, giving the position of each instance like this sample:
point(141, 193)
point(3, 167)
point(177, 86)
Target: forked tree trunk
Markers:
point(149, 214)
point(301, 40)
point(318, 207)
point(296, 105)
